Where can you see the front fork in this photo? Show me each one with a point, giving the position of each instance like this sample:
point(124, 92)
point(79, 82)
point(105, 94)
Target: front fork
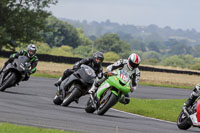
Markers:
point(59, 93)
point(97, 101)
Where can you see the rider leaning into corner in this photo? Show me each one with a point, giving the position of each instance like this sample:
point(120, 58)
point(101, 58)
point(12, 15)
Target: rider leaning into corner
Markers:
point(94, 62)
point(31, 54)
point(131, 66)
point(194, 95)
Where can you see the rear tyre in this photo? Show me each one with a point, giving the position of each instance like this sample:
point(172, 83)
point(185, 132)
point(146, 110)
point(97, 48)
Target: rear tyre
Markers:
point(89, 108)
point(57, 100)
point(111, 100)
point(71, 96)
point(10, 77)
point(183, 121)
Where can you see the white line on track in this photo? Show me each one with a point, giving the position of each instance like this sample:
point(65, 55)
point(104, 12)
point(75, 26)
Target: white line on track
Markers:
point(144, 116)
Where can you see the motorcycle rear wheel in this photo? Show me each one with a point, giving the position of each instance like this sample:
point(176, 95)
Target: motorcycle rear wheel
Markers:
point(183, 121)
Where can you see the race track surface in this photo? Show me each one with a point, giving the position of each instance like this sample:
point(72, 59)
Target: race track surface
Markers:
point(30, 103)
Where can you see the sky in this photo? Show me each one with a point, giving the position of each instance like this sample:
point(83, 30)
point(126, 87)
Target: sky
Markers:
point(183, 14)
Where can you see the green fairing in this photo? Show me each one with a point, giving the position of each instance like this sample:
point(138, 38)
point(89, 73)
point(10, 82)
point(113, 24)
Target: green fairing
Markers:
point(113, 82)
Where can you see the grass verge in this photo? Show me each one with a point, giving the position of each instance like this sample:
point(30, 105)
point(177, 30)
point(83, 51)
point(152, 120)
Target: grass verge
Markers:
point(13, 128)
point(45, 75)
point(161, 109)
point(166, 85)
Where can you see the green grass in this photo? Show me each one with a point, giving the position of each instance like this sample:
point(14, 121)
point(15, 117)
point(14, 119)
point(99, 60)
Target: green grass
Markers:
point(45, 75)
point(165, 85)
point(12, 128)
point(160, 109)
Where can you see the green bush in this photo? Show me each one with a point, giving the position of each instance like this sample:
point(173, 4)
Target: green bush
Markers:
point(111, 56)
point(63, 51)
point(196, 66)
point(174, 61)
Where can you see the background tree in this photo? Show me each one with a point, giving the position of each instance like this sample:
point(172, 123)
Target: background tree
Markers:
point(180, 48)
point(61, 33)
point(112, 43)
point(22, 20)
point(137, 45)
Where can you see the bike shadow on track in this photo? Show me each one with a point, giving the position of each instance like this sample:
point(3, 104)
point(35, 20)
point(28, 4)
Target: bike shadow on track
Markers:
point(116, 116)
point(19, 93)
point(75, 107)
point(191, 131)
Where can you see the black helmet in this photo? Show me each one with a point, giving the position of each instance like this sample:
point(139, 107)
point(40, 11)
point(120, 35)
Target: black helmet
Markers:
point(31, 49)
point(98, 56)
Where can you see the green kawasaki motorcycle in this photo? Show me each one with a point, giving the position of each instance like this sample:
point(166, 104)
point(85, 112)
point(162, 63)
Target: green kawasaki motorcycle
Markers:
point(110, 92)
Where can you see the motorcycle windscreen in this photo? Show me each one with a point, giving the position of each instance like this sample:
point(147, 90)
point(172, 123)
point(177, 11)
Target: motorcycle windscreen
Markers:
point(198, 110)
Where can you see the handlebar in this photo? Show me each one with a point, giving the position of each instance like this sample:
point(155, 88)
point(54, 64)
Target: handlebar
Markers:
point(110, 74)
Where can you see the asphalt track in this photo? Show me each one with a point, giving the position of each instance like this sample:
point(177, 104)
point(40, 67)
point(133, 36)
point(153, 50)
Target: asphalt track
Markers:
point(30, 103)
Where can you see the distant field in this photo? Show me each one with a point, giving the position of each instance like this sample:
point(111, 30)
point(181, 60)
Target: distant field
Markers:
point(158, 78)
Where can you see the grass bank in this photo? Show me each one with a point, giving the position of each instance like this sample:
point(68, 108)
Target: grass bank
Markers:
point(161, 109)
point(13, 128)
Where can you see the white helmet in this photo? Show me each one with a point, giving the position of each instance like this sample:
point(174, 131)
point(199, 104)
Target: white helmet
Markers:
point(133, 61)
point(31, 49)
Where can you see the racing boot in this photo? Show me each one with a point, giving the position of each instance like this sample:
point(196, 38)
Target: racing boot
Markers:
point(57, 83)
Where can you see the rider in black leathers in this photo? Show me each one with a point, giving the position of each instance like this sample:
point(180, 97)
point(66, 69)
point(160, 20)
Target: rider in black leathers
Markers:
point(95, 63)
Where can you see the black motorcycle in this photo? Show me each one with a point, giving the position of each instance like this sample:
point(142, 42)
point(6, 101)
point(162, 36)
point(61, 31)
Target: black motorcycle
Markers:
point(75, 86)
point(14, 72)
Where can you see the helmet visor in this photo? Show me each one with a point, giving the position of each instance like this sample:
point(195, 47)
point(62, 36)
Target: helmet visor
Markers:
point(99, 60)
point(132, 65)
point(31, 52)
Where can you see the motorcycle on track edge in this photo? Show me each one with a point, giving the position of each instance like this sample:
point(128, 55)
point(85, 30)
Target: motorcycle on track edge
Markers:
point(75, 86)
point(14, 72)
point(190, 116)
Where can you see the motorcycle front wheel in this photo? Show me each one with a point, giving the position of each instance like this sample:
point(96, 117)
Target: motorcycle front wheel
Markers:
point(70, 97)
point(7, 81)
point(57, 100)
point(106, 103)
point(183, 121)
point(89, 108)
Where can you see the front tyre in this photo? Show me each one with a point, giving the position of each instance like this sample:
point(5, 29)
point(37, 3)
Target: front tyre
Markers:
point(71, 96)
point(8, 81)
point(57, 100)
point(183, 121)
point(89, 107)
point(105, 105)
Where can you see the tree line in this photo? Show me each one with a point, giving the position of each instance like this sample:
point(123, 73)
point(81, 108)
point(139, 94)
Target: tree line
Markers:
point(27, 21)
